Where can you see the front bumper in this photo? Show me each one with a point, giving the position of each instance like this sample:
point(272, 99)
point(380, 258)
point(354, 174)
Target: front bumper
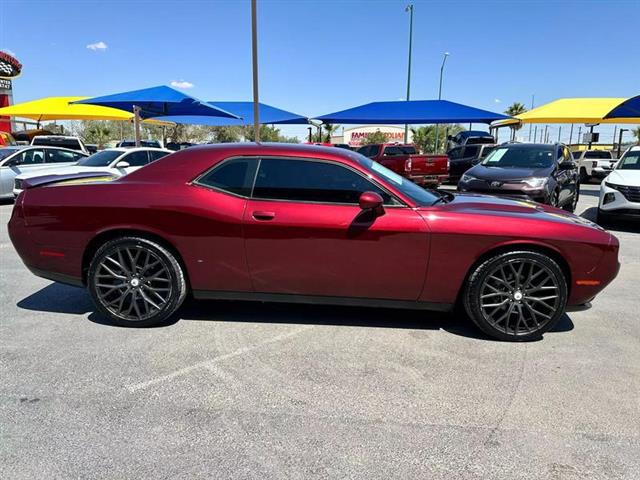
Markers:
point(614, 202)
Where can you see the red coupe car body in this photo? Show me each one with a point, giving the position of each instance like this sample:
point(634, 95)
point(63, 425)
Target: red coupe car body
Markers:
point(234, 246)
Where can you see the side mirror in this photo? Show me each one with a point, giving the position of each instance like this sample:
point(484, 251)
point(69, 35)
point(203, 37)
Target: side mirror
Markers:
point(371, 201)
point(123, 164)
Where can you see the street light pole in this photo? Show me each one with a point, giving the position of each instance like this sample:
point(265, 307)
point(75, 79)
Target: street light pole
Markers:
point(254, 55)
point(444, 59)
point(409, 9)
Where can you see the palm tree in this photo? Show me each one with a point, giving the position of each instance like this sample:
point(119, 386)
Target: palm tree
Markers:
point(636, 133)
point(516, 108)
point(330, 129)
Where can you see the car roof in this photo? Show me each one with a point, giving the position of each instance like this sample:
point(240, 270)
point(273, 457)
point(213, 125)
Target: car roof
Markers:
point(530, 145)
point(468, 133)
point(61, 137)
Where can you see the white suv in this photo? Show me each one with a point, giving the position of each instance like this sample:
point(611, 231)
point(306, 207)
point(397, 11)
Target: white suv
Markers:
point(64, 141)
point(620, 191)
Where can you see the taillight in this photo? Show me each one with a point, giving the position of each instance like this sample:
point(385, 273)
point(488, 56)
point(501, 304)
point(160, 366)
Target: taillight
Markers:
point(407, 165)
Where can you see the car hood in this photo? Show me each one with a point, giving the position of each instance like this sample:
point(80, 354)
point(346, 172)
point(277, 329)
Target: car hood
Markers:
point(490, 205)
point(69, 170)
point(499, 173)
point(624, 177)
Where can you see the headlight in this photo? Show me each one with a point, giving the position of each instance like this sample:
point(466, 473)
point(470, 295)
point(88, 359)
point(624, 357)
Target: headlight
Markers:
point(467, 178)
point(536, 182)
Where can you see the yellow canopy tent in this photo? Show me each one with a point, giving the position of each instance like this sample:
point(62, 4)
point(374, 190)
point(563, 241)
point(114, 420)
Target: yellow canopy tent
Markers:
point(61, 108)
point(571, 110)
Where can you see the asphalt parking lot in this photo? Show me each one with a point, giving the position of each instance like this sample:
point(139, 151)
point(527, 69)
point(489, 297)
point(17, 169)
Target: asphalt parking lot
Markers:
point(242, 390)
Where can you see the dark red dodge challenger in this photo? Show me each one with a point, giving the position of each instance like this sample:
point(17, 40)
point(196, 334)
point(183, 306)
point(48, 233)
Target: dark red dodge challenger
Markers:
point(292, 223)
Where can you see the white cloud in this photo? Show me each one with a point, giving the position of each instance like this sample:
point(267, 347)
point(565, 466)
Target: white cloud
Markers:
point(181, 84)
point(98, 46)
point(497, 100)
point(8, 52)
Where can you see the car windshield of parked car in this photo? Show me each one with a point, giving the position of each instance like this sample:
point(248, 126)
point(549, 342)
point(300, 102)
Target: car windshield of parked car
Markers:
point(5, 152)
point(100, 159)
point(419, 195)
point(631, 161)
point(520, 157)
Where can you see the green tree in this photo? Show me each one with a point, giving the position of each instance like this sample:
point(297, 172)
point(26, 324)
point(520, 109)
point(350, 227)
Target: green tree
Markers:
point(424, 138)
point(374, 138)
point(98, 133)
point(330, 130)
point(636, 133)
point(515, 109)
point(268, 134)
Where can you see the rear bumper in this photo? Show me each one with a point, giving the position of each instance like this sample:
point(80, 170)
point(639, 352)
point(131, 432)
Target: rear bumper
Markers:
point(428, 179)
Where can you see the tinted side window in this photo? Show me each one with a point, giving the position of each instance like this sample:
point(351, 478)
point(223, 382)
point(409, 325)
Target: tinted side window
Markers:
point(234, 176)
point(366, 150)
point(311, 181)
point(391, 151)
point(374, 150)
point(32, 157)
point(136, 159)
point(455, 153)
point(157, 155)
point(60, 156)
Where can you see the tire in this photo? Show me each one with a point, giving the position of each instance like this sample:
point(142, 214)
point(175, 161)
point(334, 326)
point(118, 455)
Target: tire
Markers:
point(519, 312)
point(603, 219)
point(571, 207)
point(584, 176)
point(135, 282)
point(554, 199)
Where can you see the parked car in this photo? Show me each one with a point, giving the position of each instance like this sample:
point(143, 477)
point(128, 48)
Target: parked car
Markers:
point(65, 141)
point(463, 158)
point(620, 191)
point(295, 223)
point(17, 160)
point(545, 173)
point(594, 163)
point(115, 161)
point(404, 160)
point(6, 139)
point(143, 143)
point(470, 137)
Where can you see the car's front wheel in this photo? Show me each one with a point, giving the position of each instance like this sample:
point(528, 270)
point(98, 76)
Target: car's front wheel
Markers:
point(136, 282)
point(571, 207)
point(516, 296)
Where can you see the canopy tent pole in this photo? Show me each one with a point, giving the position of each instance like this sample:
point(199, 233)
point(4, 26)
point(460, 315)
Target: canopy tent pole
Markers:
point(579, 134)
point(254, 54)
point(571, 134)
point(136, 123)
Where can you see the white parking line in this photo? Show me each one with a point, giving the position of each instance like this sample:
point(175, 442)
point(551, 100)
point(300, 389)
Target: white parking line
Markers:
point(208, 363)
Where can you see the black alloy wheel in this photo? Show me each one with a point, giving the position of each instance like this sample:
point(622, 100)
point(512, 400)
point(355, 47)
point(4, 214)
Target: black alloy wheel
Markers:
point(516, 296)
point(136, 282)
point(554, 200)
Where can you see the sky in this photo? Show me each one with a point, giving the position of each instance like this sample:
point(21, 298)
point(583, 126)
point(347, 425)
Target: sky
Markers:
point(317, 57)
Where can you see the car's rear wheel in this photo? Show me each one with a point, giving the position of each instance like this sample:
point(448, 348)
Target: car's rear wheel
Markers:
point(555, 199)
point(571, 207)
point(136, 282)
point(516, 296)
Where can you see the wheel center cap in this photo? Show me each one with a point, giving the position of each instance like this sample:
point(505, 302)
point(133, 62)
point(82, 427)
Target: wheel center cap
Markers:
point(517, 296)
point(135, 282)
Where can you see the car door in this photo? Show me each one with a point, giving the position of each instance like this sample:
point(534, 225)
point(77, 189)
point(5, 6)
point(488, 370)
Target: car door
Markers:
point(306, 235)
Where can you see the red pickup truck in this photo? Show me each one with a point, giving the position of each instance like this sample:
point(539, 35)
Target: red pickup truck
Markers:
point(404, 160)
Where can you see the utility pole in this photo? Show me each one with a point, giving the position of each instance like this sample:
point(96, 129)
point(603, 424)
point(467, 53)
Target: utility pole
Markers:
point(571, 134)
point(409, 9)
point(535, 134)
point(254, 58)
point(533, 97)
point(579, 134)
point(559, 132)
point(622, 130)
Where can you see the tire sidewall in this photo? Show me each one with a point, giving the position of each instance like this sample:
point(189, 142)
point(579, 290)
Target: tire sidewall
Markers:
point(178, 286)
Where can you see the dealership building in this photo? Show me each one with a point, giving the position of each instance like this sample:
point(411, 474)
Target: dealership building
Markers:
point(356, 136)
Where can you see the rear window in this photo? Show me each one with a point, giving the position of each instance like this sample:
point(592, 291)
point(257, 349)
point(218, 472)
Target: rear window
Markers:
point(479, 140)
point(233, 176)
point(597, 154)
point(400, 150)
point(71, 143)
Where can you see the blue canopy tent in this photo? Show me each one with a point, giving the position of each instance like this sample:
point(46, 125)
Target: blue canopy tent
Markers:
point(158, 102)
point(628, 109)
point(412, 112)
point(244, 110)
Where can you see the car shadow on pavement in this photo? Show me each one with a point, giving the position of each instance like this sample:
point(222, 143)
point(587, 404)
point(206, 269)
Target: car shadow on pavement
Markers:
point(59, 298)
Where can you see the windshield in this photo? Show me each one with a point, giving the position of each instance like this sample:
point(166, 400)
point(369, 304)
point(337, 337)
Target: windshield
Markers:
point(419, 195)
point(631, 161)
point(100, 159)
point(520, 157)
point(5, 152)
